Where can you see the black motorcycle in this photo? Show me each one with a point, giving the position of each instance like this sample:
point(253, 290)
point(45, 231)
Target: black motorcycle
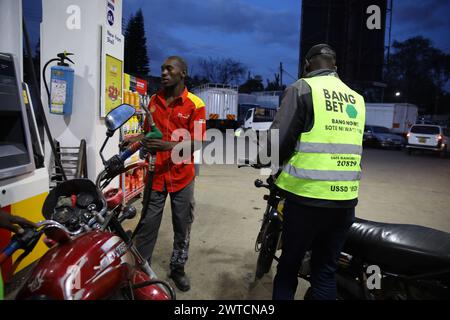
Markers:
point(379, 261)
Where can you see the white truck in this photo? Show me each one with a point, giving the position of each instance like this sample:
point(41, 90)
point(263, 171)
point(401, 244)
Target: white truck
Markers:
point(264, 99)
point(259, 118)
point(221, 103)
point(269, 99)
point(398, 117)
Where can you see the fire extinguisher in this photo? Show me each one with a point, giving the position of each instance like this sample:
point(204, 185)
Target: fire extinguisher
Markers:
point(60, 94)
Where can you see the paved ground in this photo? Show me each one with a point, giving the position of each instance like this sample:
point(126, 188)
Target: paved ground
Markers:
point(395, 188)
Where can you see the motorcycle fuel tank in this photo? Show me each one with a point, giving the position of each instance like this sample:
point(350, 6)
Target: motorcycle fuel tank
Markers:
point(90, 267)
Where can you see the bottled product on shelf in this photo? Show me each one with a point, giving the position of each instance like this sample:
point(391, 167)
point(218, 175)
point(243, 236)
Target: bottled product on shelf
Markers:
point(134, 125)
point(126, 97)
point(134, 91)
point(135, 99)
point(134, 182)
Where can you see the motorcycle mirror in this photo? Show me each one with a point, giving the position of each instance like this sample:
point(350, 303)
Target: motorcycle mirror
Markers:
point(118, 117)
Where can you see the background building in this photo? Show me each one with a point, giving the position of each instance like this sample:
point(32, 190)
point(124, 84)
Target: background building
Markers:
point(343, 25)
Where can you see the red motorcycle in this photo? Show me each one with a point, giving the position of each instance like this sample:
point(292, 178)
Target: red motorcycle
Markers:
point(91, 256)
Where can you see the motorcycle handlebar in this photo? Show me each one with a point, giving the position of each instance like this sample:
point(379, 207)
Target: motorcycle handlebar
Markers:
point(260, 184)
point(12, 247)
point(47, 224)
point(115, 166)
point(130, 151)
point(243, 163)
point(254, 166)
point(246, 163)
point(28, 239)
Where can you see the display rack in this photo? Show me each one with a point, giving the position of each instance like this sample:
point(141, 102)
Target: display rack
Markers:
point(132, 182)
point(135, 94)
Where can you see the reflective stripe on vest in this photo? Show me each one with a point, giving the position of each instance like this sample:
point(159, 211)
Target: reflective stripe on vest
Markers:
point(309, 147)
point(322, 175)
point(326, 163)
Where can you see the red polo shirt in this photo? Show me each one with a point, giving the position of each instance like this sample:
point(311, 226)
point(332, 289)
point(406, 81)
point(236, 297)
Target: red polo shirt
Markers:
point(185, 112)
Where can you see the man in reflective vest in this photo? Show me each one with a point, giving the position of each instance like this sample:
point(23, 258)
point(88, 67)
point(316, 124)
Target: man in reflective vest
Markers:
point(321, 124)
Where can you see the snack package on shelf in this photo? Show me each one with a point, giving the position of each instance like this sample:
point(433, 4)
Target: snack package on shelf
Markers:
point(139, 177)
point(127, 183)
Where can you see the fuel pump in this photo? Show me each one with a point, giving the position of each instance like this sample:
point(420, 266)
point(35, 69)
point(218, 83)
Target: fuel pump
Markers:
point(154, 133)
point(115, 164)
point(60, 95)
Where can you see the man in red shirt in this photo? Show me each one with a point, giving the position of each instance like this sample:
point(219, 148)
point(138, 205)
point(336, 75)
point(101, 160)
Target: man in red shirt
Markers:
point(173, 109)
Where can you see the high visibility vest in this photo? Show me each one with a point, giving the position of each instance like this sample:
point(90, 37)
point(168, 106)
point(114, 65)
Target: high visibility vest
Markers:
point(326, 163)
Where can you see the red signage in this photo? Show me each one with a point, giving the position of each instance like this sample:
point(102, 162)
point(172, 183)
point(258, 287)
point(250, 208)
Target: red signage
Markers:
point(141, 86)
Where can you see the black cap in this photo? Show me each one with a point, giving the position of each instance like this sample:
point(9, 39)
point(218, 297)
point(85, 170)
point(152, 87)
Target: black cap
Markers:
point(319, 49)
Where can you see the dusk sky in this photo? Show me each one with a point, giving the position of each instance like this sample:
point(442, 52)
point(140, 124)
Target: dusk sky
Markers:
point(258, 33)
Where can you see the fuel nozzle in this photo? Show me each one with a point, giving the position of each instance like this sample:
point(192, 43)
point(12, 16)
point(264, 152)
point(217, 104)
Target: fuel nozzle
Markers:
point(63, 56)
point(154, 132)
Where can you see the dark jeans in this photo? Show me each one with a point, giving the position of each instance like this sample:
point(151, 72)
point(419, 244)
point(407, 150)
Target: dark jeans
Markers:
point(182, 205)
point(323, 230)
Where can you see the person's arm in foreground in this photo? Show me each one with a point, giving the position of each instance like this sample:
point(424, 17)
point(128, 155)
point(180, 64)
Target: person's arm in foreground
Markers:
point(14, 223)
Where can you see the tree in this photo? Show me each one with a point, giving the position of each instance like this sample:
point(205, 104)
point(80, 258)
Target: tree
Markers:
point(252, 85)
point(192, 82)
point(419, 72)
point(275, 84)
point(136, 57)
point(226, 70)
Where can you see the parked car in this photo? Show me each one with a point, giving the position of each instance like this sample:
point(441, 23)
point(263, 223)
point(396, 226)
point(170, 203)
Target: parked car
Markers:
point(428, 137)
point(382, 137)
point(398, 117)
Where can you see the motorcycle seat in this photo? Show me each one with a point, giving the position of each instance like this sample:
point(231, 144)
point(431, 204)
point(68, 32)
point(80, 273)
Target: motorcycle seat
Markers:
point(400, 248)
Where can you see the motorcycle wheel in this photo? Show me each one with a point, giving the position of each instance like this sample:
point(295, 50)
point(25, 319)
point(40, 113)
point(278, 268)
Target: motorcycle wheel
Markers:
point(269, 237)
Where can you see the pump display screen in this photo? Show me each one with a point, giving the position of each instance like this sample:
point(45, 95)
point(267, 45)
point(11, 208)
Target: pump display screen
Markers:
point(8, 85)
point(13, 140)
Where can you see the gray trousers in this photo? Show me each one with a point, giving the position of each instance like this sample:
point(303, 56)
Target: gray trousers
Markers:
point(182, 204)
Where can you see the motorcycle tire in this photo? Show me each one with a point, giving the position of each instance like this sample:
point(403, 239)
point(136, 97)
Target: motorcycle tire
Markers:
point(270, 237)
